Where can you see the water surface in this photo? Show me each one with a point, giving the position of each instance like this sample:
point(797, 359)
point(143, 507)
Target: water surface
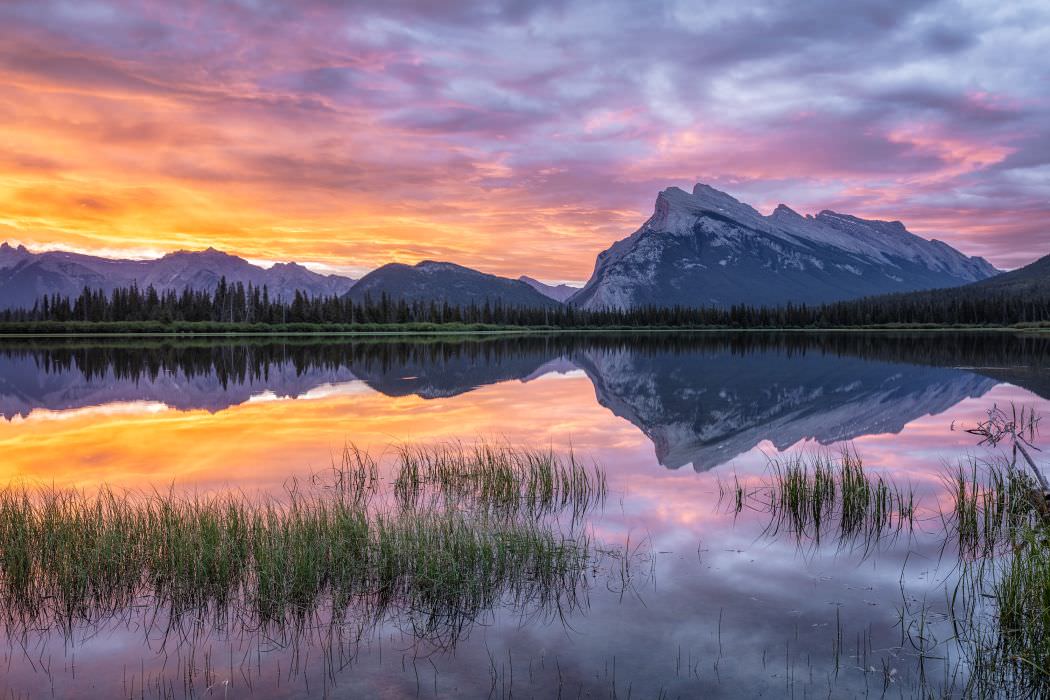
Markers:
point(712, 603)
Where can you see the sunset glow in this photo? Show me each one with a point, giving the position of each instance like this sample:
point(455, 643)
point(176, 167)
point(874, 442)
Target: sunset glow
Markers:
point(516, 139)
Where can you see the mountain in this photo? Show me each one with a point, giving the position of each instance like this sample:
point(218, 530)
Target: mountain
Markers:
point(441, 281)
point(708, 249)
point(1031, 280)
point(455, 370)
point(1016, 297)
point(561, 292)
point(11, 256)
point(26, 276)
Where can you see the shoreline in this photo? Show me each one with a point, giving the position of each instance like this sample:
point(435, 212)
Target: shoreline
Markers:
point(280, 332)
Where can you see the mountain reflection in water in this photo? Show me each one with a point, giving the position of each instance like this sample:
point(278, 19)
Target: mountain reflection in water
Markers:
point(702, 398)
point(682, 596)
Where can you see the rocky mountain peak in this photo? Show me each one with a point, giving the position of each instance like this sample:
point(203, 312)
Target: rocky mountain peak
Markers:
point(208, 253)
point(837, 220)
point(11, 256)
point(706, 248)
point(705, 194)
point(671, 198)
point(785, 212)
point(676, 210)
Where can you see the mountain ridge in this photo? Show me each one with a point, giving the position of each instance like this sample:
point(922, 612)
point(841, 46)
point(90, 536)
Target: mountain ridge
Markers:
point(558, 292)
point(435, 281)
point(1033, 278)
point(709, 249)
point(26, 276)
point(698, 249)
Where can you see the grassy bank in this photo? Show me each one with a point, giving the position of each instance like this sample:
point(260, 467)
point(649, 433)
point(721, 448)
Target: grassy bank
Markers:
point(157, 328)
point(212, 328)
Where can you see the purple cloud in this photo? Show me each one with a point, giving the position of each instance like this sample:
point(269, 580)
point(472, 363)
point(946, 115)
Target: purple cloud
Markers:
point(552, 124)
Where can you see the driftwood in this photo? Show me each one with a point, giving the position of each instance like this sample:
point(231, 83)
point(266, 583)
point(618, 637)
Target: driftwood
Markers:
point(1019, 427)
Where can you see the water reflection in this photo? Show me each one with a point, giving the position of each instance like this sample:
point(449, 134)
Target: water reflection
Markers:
point(719, 608)
point(701, 399)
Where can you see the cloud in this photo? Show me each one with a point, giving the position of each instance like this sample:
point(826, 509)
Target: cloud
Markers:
point(521, 136)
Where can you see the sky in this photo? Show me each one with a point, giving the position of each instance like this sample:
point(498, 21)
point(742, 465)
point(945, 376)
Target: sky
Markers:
point(518, 137)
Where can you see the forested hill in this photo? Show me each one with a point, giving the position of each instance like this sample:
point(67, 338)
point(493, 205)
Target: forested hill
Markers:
point(1018, 296)
point(1031, 279)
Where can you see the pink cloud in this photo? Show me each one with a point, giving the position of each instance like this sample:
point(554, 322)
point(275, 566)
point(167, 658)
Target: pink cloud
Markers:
point(518, 138)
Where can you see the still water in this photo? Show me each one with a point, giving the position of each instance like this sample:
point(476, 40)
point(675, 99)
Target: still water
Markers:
point(691, 599)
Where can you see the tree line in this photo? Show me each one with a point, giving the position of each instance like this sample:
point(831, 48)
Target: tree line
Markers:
point(246, 304)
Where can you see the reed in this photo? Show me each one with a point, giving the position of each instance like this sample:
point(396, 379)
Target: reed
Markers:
point(68, 557)
point(497, 478)
point(1022, 595)
point(993, 503)
point(1001, 604)
point(1000, 611)
point(812, 495)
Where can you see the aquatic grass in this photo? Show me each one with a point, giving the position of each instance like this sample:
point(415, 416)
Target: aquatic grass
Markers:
point(1022, 595)
point(993, 502)
point(323, 548)
point(804, 491)
point(1000, 611)
point(736, 491)
point(811, 495)
point(1000, 605)
point(449, 571)
point(499, 478)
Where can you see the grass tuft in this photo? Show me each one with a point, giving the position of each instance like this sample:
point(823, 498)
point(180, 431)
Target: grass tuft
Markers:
point(69, 557)
point(816, 494)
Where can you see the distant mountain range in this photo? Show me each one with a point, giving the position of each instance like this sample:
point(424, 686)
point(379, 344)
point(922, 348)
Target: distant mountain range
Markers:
point(699, 249)
point(560, 292)
point(442, 281)
point(708, 249)
point(26, 276)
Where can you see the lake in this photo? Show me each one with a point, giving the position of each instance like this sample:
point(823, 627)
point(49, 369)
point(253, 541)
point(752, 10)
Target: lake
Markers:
point(686, 595)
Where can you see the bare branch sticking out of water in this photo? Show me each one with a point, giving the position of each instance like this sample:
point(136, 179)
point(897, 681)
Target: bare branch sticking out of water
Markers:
point(1018, 428)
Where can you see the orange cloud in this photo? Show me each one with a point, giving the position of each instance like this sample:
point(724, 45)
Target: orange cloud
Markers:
point(350, 138)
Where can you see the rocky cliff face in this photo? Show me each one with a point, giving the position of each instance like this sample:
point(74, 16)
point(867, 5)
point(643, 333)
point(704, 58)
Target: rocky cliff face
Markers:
point(708, 249)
